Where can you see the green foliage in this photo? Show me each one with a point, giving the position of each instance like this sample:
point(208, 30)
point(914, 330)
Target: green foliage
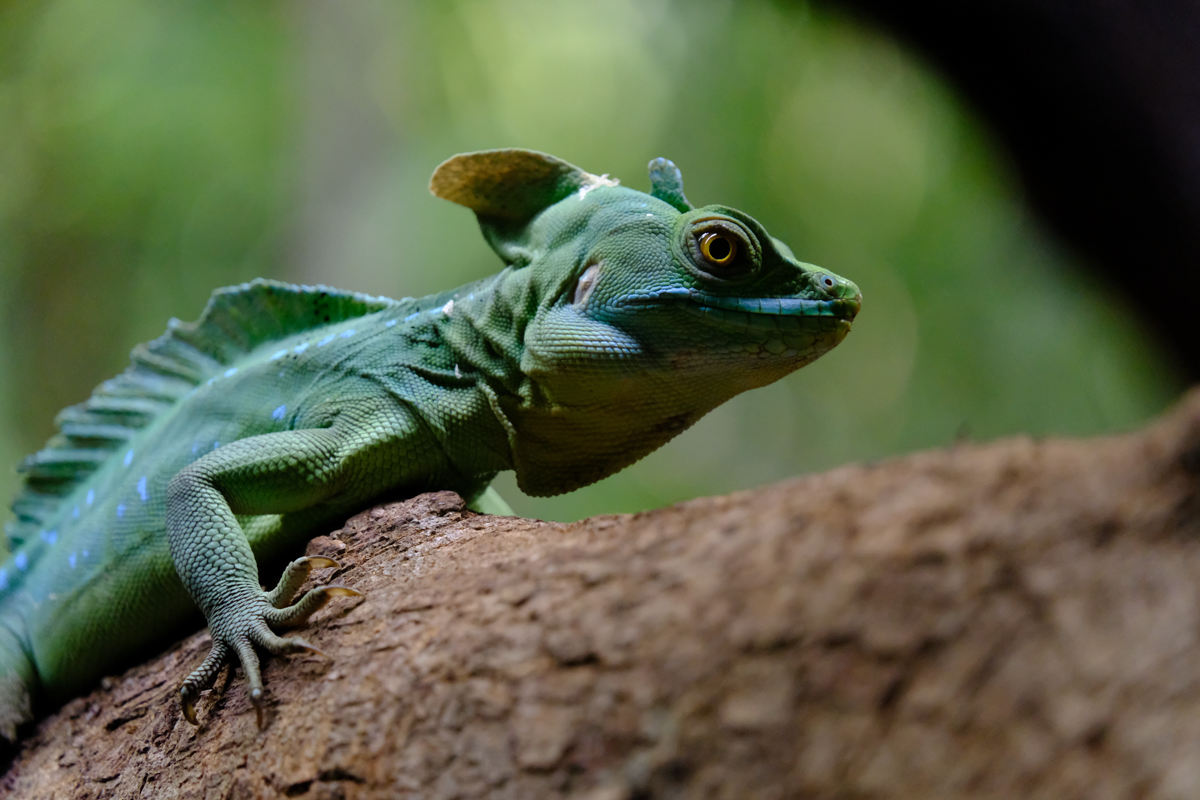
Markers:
point(143, 148)
point(152, 152)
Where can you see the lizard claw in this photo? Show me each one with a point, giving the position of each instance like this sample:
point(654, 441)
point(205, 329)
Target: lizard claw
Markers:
point(295, 643)
point(258, 700)
point(187, 702)
point(341, 591)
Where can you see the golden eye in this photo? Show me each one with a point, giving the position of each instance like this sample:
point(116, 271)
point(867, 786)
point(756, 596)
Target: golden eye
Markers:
point(718, 247)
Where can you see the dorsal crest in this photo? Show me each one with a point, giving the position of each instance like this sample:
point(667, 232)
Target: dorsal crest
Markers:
point(236, 320)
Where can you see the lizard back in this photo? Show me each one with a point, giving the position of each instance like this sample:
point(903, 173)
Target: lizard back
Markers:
point(236, 320)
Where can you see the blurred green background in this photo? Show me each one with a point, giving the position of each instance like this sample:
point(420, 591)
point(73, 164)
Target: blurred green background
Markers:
point(150, 152)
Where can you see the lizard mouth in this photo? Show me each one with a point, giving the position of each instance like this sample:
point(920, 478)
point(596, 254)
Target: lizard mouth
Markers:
point(781, 313)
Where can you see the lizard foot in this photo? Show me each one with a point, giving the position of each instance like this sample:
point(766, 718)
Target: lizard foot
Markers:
point(240, 643)
point(238, 632)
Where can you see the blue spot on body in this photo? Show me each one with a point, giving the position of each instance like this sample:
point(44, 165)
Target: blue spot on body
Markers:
point(195, 448)
point(120, 510)
point(85, 553)
point(142, 489)
point(129, 458)
point(229, 373)
point(210, 381)
point(278, 354)
point(348, 334)
point(413, 315)
point(91, 498)
point(3, 579)
point(325, 341)
point(389, 323)
point(22, 561)
point(216, 445)
point(279, 412)
point(300, 348)
point(75, 512)
point(71, 560)
point(49, 537)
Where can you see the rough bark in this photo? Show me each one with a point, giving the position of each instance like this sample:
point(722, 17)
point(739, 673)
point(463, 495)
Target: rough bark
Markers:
point(1017, 619)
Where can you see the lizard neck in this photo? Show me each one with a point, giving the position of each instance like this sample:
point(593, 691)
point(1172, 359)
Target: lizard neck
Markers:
point(463, 367)
point(570, 419)
point(565, 423)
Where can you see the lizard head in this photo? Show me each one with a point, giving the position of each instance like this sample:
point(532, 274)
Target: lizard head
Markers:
point(639, 312)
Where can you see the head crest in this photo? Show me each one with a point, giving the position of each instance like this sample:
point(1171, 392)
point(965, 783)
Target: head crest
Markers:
point(509, 185)
point(666, 183)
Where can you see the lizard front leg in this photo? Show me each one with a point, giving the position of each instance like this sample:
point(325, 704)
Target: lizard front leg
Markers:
point(274, 473)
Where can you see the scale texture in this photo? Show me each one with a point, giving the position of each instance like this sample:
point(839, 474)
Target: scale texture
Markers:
point(619, 320)
point(978, 622)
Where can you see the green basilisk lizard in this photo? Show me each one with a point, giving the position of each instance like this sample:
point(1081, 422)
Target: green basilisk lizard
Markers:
point(619, 319)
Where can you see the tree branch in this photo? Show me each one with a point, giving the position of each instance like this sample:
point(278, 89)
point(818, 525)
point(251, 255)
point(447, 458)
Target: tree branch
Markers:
point(1005, 620)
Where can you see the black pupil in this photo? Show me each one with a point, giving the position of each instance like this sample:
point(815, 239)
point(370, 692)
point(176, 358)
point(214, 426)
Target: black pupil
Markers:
point(719, 248)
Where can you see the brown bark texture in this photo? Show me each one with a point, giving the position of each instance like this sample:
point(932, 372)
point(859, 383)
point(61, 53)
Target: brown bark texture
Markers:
point(1016, 619)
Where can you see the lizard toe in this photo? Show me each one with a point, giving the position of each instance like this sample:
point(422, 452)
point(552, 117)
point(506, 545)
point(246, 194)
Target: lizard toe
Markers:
point(268, 640)
point(249, 660)
point(305, 607)
point(294, 576)
point(201, 678)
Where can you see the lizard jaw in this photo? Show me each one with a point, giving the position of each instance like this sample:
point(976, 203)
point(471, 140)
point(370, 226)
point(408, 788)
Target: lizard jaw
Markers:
point(760, 319)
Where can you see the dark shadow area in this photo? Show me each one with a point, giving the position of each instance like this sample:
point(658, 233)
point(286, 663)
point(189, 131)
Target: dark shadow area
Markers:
point(1099, 105)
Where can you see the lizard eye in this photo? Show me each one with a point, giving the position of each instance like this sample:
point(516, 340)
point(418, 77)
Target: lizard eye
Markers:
point(826, 282)
point(721, 249)
point(718, 248)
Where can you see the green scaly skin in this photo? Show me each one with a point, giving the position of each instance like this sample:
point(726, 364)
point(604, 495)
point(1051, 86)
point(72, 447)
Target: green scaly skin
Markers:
point(620, 319)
